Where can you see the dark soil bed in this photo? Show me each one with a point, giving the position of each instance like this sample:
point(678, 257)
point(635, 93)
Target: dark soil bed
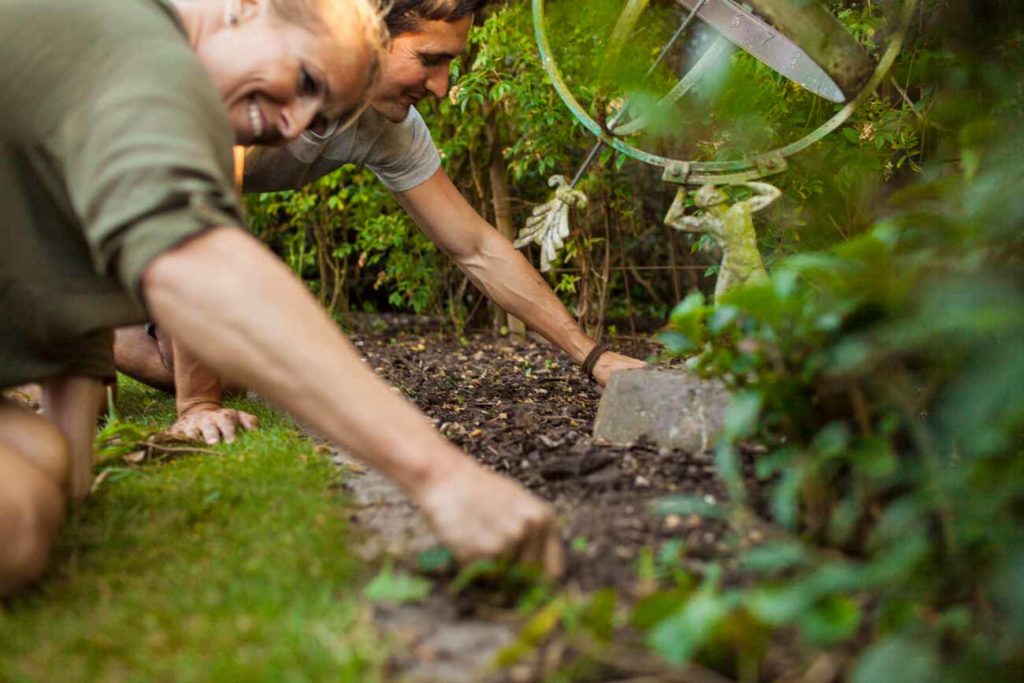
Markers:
point(524, 409)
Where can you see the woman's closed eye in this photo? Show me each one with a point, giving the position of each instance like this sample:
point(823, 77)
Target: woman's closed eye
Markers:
point(308, 84)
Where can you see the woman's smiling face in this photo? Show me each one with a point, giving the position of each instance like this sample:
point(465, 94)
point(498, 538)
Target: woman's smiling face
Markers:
point(276, 77)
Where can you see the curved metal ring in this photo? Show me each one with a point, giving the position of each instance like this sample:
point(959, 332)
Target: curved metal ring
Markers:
point(757, 166)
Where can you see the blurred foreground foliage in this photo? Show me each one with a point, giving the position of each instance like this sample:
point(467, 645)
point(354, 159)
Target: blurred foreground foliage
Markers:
point(885, 376)
point(878, 534)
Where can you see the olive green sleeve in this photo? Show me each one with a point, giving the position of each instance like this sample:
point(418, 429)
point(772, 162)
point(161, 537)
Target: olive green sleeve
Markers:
point(149, 164)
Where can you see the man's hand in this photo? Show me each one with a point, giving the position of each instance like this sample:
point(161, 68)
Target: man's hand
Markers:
point(212, 423)
point(610, 362)
point(481, 515)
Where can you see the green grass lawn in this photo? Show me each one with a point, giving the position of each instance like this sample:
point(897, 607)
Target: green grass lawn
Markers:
point(198, 567)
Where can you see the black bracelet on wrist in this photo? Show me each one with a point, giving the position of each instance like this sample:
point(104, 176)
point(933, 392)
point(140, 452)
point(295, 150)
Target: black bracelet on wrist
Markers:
point(591, 360)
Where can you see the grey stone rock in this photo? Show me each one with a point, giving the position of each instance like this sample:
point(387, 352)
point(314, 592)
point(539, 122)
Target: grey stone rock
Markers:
point(392, 525)
point(672, 408)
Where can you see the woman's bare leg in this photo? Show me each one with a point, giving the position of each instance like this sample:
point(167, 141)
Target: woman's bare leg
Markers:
point(141, 357)
point(33, 475)
point(71, 403)
point(37, 440)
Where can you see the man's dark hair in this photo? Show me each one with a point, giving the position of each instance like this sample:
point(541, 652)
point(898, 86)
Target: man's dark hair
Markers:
point(404, 16)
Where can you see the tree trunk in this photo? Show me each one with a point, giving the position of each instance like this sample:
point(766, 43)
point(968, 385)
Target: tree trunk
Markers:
point(498, 171)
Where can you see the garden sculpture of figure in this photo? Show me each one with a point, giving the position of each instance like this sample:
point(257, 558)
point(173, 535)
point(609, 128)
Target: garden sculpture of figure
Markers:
point(732, 228)
point(548, 225)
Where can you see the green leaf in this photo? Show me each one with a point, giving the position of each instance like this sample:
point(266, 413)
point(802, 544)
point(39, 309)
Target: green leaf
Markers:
point(831, 621)
point(832, 440)
point(397, 588)
point(687, 317)
point(874, 457)
point(1008, 590)
point(722, 317)
point(435, 559)
point(683, 505)
point(785, 283)
point(849, 355)
point(844, 520)
point(678, 637)
point(599, 615)
point(729, 467)
point(897, 658)
point(780, 604)
point(657, 607)
point(774, 557)
point(785, 502)
point(742, 414)
point(536, 628)
point(471, 573)
point(775, 461)
point(676, 343)
point(669, 554)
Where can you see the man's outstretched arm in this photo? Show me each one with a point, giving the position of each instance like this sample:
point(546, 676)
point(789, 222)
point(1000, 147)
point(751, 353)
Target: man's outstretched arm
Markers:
point(500, 271)
point(248, 318)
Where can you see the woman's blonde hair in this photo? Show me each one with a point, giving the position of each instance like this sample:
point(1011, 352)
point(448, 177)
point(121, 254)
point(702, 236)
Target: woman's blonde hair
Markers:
point(322, 16)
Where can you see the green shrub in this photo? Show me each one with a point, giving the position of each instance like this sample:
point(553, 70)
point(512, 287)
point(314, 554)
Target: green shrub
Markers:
point(885, 376)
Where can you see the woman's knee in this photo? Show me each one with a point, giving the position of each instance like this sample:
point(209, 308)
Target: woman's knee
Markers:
point(37, 440)
point(31, 510)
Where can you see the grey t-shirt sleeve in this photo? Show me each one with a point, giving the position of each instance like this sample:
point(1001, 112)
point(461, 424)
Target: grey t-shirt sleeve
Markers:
point(402, 155)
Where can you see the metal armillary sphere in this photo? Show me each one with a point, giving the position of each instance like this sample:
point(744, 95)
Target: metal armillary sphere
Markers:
point(798, 39)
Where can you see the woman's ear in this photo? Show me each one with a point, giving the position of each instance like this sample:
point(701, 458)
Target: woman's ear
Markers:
point(232, 12)
point(239, 11)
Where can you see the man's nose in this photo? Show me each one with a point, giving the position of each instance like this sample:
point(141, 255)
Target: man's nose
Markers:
point(437, 84)
point(297, 117)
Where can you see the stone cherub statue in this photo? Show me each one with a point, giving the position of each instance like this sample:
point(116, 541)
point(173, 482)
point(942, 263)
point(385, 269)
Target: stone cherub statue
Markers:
point(731, 226)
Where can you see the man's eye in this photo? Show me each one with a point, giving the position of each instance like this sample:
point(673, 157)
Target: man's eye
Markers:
point(433, 60)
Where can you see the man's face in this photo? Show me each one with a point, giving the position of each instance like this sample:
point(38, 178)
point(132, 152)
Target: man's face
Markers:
point(417, 63)
point(275, 77)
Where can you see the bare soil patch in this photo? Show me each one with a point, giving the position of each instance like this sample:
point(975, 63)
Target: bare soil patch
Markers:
point(524, 409)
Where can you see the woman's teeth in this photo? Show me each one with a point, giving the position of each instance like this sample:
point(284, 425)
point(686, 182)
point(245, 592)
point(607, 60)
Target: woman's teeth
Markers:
point(255, 120)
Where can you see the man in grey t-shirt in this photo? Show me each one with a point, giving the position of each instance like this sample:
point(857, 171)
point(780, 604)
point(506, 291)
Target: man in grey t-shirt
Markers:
point(392, 140)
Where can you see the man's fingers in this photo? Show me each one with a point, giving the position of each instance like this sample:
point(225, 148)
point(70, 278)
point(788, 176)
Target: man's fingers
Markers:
point(210, 432)
point(612, 362)
point(532, 546)
point(544, 550)
point(248, 421)
point(225, 422)
point(554, 554)
point(214, 426)
point(190, 431)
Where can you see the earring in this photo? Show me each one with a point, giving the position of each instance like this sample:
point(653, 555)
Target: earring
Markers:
point(231, 13)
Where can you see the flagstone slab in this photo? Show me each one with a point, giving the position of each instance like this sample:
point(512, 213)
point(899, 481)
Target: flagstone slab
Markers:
point(672, 408)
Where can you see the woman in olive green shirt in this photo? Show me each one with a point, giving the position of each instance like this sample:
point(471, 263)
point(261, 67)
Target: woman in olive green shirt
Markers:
point(115, 146)
point(115, 186)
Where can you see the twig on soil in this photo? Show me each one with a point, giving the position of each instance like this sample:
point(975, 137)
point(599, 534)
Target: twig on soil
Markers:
point(180, 449)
